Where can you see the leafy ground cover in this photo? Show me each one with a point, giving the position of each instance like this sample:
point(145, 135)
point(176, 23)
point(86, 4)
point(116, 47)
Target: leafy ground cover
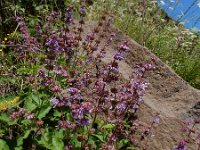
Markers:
point(56, 92)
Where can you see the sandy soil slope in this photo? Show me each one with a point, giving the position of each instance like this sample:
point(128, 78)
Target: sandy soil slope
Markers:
point(167, 94)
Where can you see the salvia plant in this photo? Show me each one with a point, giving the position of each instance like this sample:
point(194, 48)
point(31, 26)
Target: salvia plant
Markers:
point(58, 93)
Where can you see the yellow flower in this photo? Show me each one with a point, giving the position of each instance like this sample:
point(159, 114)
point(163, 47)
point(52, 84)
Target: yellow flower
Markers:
point(8, 103)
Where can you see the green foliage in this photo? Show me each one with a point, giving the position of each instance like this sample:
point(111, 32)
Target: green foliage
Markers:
point(20, 139)
point(3, 145)
point(52, 140)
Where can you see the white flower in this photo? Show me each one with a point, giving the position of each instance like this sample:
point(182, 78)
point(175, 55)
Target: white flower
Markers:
point(162, 3)
point(198, 4)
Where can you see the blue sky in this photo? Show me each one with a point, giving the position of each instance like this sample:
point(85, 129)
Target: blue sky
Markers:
point(176, 8)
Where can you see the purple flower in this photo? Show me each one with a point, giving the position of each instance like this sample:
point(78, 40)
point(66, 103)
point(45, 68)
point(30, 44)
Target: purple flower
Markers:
point(52, 17)
point(66, 124)
point(119, 56)
point(124, 46)
point(181, 146)
point(56, 89)
point(41, 73)
point(82, 10)
point(73, 90)
point(135, 107)
point(69, 16)
point(121, 107)
point(28, 40)
point(149, 66)
point(84, 122)
point(156, 120)
point(139, 71)
point(110, 19)
point(79, 113)
point(89, 37)
point(57, 102)
point(140, 85)
point(29, 116)
point(76, 97)
point(114, 69)
point(18, 113)
point(52, 42)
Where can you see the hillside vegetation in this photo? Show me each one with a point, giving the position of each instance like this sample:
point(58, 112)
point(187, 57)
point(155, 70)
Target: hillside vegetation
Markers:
point(146, 23)
point(70, 78)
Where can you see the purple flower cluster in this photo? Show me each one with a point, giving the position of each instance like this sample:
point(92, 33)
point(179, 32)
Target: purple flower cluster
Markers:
point(81, 112)
point(181, 146)
point(58, 102)
point(69, 20)
point(17, 114)
point(25, 33)
point(119, 56)
point(29, 116)
point(124, 46)
point(192, 134)
point(66, 124)
point(53, 44)
point(140, 86)
point(140, 70)
point(51, 18)
point(45, 80)
point(84, 90)
point(73, 91)
point(21, 112)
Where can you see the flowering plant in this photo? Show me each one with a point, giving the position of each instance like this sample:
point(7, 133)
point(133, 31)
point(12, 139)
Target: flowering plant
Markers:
point(69, 97)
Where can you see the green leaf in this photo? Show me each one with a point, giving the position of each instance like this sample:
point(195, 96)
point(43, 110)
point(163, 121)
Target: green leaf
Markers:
point(123, 142)
point(20, 140)
point(44, 111)
point(23, 70)
point(57, 140)
point(109, 126)
point(99, 137)
point(4, 117)
point(45, 139)
point(57, 113)
point(3, 145)
point(36, 98)
point(52, 140)
point(26, 122)
point(75, 143)
point(29, 105)
point(58, 144)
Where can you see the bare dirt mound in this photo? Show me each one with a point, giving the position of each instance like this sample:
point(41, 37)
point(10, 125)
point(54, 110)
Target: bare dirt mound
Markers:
point(167, 94)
